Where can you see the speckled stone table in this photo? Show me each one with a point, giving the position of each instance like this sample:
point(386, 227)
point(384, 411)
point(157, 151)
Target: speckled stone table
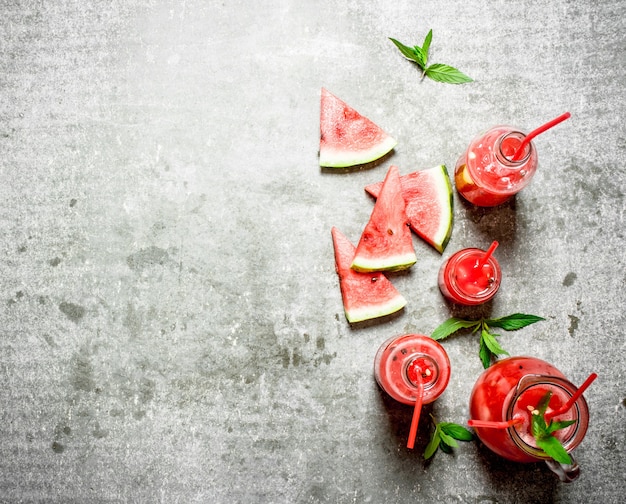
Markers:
point(172, 327)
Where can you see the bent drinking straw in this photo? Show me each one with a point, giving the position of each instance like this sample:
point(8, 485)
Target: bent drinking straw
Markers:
point(548, 416)
point(488, 254)
point(417, 409)
point(494, 425)
point(538, 131)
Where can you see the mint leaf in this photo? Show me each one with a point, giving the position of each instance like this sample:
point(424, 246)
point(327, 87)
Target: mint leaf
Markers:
point(449, 440)
point(484, 353)
point(514, 322)
point(408, 52)
point(492, 344)
point(555, 426)
point(444, 447)
point(451, 326)
point(445, 73)
point(489, 345)
point(543, 433)
point(426, 45)
point(421, 57)
point(444, 436)
point(456, 431)
point(438, 71)
point(433, 444)
point(554, 449)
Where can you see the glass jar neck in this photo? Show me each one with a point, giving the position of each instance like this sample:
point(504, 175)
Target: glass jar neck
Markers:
point(537, 386)
point(507, 145)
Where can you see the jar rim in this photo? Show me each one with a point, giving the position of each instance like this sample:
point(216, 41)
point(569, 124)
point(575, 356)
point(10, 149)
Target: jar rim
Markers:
point(580, 407)
point(484, 295)
point(506, 159)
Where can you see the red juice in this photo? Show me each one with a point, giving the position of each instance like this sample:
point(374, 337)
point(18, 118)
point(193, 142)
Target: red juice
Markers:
point(511, 390)
point(464, 280)
point(486, 174)
point(400, 359)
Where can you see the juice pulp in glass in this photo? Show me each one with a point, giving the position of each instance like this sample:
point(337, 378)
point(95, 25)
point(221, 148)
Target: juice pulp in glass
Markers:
point(400, 359)
point(463, 280)
point(512, 388)
point(486, 175)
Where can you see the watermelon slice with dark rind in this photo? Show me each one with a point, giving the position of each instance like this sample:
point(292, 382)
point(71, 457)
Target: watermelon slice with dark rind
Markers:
point(386, 243)
point(348, 138)
point(429, 204)
point(365, 295)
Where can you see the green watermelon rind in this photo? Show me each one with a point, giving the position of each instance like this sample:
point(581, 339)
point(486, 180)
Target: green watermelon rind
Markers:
point(444, 191)
point(338, 158)
point(375, 286)
point(397, 262)
point(347, 137)
point(375, 311)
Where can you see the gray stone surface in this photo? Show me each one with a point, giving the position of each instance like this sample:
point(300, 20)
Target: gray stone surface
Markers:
point(172, 327)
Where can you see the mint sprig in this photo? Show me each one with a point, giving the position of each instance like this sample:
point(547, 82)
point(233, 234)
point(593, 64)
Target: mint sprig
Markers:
point(437, 71)
point(445, 436)
point(542, 432)
point(490, 347)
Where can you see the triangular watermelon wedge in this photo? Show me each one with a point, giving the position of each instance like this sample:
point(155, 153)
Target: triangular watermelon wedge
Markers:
point(365, 295)
point(346, 137)
point(428, 197)
point(386, 243)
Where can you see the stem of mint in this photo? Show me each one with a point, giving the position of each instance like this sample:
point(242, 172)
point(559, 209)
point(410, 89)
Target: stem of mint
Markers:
point(490, 347)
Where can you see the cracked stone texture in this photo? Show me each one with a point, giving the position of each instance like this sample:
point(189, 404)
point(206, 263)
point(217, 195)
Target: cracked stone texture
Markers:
point(172, 328)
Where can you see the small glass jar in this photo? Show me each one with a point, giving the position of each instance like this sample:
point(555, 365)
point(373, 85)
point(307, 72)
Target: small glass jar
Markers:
point(463, 280)
point(486, 174)
point(400, 358)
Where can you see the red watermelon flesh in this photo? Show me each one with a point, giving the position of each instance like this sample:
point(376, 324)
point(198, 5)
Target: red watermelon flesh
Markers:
point(386, 243)
point(365, 295)
point(428, 197)
point(346, 137)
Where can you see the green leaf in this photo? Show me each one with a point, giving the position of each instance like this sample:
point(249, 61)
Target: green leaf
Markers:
point(553, 449)
point(445, 448)
point(451, 326)
point(421, 56)
point(433, 444)
point(514, 322)
point(492, 344)
point(484, 353)
point(445, 73)
point(555, 426)
point(426, 45)
point(543, 433)
point(408, 52)
point(447, 439)
point(456, 431)
point(538, 426)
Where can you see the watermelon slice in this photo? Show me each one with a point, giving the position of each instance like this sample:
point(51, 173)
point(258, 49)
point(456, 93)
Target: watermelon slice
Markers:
point(386, 243)
point(428, 197)
point(346, 137)
point(365, 295)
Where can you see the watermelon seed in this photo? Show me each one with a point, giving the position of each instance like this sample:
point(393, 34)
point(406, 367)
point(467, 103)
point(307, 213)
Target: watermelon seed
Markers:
point(389, 231)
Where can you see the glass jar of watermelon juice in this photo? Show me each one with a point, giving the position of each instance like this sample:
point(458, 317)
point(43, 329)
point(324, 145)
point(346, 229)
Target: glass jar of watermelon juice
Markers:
point(507, 395)
point(470, 277)
point(403, 361)
point(487, 175)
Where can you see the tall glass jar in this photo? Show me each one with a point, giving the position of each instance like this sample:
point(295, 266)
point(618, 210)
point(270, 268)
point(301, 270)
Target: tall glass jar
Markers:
point(511, 389)
point(487, 175)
